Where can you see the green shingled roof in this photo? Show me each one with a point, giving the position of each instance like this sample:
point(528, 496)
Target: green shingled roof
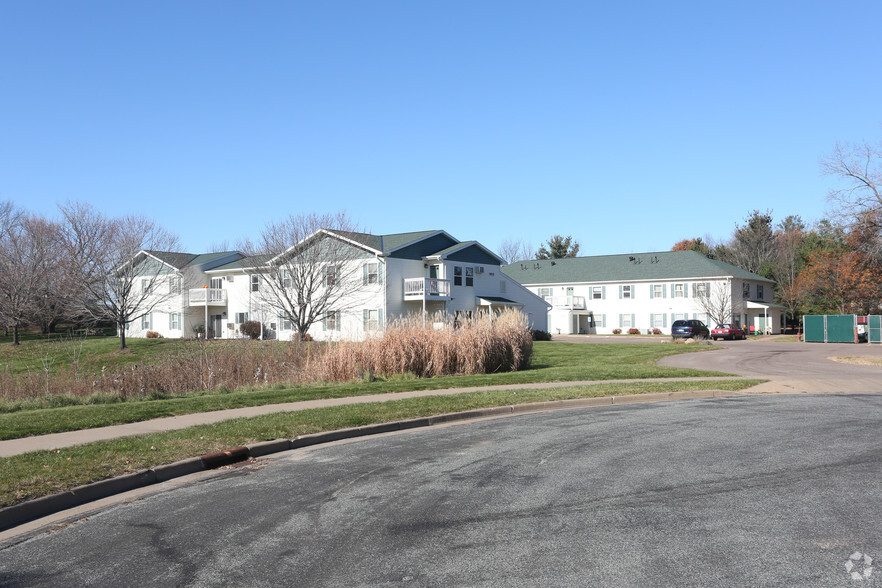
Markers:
point(386, 243)
point(663, 265)
point(180, 260)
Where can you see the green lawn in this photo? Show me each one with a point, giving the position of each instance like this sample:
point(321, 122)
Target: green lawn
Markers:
point(552, 362)
point(41, 473)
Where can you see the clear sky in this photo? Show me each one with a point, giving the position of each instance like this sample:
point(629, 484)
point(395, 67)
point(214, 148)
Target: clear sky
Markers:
point(629, 126)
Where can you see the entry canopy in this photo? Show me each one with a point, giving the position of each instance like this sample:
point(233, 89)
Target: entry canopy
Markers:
point(497, 301)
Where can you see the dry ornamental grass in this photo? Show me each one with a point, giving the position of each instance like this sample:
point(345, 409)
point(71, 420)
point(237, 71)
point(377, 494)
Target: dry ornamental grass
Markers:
point(407, 347)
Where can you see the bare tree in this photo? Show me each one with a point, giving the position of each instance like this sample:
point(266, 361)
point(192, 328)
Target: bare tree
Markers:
point(512, 250)
point(117, 278)
point(859, 165)
point(19, 276)
point(310, 265)
point(717, 301)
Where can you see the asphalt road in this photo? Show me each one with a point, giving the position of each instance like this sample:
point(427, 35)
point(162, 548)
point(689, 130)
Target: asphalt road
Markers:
point(761, 490)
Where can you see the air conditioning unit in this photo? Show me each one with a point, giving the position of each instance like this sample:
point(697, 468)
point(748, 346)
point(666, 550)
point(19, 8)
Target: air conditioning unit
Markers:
point(228, 278)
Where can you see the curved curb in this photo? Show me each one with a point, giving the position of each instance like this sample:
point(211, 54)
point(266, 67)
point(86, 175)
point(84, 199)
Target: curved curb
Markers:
point(31, 510)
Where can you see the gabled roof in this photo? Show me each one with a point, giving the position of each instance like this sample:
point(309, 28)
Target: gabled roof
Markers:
point(663, 265)
point(250, 262)
point(444, 253)
point(179, 260)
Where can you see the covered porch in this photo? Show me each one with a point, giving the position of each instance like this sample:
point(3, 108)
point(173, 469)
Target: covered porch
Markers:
point(763, 318)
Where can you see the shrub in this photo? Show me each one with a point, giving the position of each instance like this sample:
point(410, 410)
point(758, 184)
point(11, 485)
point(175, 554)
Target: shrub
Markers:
point(153, 335)
point(617, 331)
point(252, 329)
point(633, 331)
point(539, 335)
point(656, 331)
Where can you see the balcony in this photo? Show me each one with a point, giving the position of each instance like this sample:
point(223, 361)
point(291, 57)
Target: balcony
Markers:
point(567, 302)
point(216, 296)
point(426, 289)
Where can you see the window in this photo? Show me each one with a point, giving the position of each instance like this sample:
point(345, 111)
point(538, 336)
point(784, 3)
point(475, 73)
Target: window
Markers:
point(457, 275)
point(599, 320)
point(372, 274)
point(147, 321)
point(255, 283)
point(543, 292)
point(286, 278)
point(596, 292)
point(174, 321)
point(745, 290)
point(470, 276)
point(678, 291)
point(373, 319)
point(626, 291)
point(679, 316)
point(701, 289)
point(658, 321)
point(626, 321)
point(241, 317)
point(285, 324)
point(759, 291)
point(174, 285)
point(330, 275)
point(658, 290)
point(332, 320)
point(146, 286)
point(502, 286)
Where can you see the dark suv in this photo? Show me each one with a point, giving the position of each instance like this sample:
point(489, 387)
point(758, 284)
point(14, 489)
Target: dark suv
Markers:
point(689, 329)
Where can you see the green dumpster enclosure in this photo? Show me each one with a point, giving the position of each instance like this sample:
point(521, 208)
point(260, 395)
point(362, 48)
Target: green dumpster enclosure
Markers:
point(840, 328)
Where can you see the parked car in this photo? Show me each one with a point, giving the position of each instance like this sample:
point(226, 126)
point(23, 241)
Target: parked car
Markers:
point(728, 331)
point(689, 329)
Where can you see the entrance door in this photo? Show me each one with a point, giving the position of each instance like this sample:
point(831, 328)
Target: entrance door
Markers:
point(217, 325)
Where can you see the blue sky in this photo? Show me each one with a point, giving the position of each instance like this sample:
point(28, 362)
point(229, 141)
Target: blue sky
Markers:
point(627, 126)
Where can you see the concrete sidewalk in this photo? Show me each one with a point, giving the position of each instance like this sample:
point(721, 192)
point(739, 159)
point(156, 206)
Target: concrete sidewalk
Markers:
point(68, 439)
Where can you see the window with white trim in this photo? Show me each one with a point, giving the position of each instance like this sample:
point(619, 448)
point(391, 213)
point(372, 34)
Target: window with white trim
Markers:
point(255, 283)
point(241, 317)
point(332, 320)
point(702, 289)
point(286, 278)
point(759, 291)
point(147, 321)
point(745, 290)
point(470, 276)
point(371, 319)
point(285, 324)
point(543, 292)
point(330, 275)
point(678, 291)
point(658, 321)
point(371, 273)
point(658, 290)
point(626, 291)
point(174, 321)
point(596, 292)
point(627, 321)
point(146, 286)
point(457, 275)
point(174, 285)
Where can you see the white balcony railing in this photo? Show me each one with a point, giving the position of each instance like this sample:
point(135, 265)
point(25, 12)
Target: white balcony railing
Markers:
point(568, 302)
point(426, 288)
point(216, 296)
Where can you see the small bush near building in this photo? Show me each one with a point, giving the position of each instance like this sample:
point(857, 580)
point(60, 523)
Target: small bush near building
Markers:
point(539, 335)
point(153, 335)
point(656, 331)
point(633, 331)
point(617, 331)
point(252, 329)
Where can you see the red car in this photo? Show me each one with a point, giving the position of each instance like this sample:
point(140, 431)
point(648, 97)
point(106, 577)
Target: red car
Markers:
point(727, 331)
